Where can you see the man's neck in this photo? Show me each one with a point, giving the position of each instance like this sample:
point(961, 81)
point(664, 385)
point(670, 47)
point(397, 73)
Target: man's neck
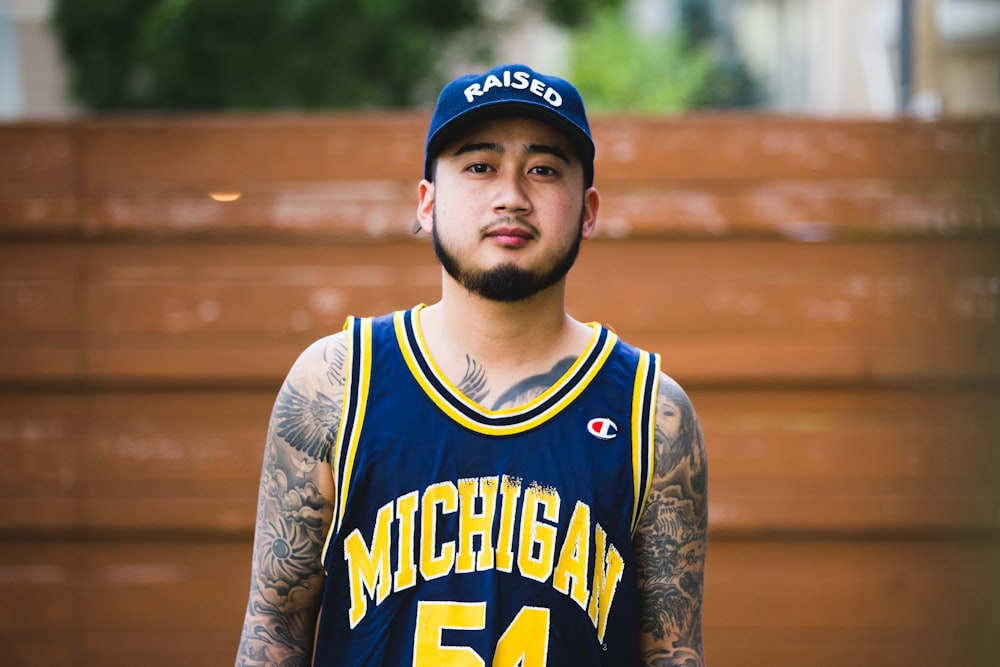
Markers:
point(508, 341)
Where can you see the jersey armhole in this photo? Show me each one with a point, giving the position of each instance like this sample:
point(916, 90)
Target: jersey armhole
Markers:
point(357, 377)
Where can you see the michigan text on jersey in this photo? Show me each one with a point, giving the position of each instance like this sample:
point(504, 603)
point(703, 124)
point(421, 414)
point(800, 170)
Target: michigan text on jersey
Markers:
point(585, 566)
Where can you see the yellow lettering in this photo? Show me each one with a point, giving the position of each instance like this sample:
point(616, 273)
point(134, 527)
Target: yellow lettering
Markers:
point(571, 569)
point(510, 489)
point(368, 569)
point(608, 568)
point(535, 532)
point(432, 618)
point(525, 642)
point(406, 568)
point(472, 523)
point(432, 566)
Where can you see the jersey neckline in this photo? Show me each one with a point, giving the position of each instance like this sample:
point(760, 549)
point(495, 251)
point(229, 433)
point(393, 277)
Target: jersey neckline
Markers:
point(509, 421)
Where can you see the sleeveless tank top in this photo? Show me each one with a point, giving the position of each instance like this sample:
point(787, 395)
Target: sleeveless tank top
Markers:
point(466, 536)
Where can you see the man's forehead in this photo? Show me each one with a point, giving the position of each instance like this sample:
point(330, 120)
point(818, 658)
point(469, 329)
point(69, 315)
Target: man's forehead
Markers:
point(508, 131)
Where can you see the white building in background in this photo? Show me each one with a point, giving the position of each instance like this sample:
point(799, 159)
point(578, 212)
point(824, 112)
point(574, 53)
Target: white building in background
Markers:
point(842, 57)
point(32, 77)
point(813, 57)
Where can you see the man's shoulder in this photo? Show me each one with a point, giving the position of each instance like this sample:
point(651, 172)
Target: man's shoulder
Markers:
point(322, 361)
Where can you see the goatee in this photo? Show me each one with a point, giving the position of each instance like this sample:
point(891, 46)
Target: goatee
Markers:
point(507, 282)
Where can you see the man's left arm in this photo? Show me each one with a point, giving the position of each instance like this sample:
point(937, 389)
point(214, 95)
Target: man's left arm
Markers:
point(671, 538)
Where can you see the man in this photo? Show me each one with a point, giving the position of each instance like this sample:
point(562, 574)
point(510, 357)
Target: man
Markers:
point(484, 480)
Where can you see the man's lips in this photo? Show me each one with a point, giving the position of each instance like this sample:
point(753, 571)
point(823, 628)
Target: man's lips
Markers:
point(510, 235)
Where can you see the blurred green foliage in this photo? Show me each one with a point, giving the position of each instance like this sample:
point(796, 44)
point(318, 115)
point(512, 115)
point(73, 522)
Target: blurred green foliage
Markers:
point(254, 54)
point(618, 68)
point(308, 54)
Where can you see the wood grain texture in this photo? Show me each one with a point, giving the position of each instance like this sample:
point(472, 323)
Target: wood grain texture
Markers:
point(827, 291)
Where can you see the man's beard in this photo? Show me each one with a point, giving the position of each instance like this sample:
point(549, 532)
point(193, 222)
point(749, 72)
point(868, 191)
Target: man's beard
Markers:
point(507, 282)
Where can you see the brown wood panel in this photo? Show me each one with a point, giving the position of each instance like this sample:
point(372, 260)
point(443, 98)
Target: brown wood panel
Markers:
point(819, 603)
point(874, 462)
point(227, 151)
point(123, 603)
point(237, 311)
point(39, 169)
point(806, 311)
point(779, 311)
point(147, 462)
point(778, 603)
point(176, 462)
point(753, 310)
point(42, 437)
point(791, 178)
point(823, 358)
point(799, 210)
point(748, 147)
point(355, 174)
point(384, 210)
point(355, 211)
point(780, 462)
point(847, 387)
point(40, 312)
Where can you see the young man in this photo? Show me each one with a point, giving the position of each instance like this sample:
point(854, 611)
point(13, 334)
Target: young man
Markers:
point(484, 480)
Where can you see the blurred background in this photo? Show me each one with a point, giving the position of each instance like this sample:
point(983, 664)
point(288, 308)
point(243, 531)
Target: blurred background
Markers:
point(846, 58)
point(801, 213)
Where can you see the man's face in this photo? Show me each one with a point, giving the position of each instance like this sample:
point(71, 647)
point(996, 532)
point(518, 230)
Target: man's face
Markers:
point(507, 209)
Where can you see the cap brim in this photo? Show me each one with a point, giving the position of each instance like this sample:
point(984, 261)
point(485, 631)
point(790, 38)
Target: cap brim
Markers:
point(508, 108)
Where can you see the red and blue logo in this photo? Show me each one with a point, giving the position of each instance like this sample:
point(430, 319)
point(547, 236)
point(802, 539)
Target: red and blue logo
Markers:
point(603, 428)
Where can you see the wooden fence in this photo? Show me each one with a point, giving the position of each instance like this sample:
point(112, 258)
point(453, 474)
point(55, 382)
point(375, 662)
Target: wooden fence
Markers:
point(827, 291)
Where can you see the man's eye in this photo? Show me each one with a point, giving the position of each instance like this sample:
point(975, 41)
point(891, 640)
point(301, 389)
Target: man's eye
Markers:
point(543, 171)
point(479, 168)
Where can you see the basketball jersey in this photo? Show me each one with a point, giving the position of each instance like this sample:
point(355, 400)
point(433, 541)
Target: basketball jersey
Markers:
point(468, 536)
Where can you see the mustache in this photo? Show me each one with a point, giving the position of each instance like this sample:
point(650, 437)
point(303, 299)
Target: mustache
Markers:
point(509, 221)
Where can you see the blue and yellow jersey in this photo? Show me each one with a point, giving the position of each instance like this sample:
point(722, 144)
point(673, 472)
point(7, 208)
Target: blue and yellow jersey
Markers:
point(468, 536)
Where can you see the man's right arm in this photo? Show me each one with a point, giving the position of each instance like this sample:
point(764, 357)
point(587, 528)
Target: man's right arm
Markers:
point(294, 509)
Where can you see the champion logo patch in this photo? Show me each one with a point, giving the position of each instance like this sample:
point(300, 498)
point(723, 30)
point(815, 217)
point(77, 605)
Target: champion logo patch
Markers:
point(603, 428)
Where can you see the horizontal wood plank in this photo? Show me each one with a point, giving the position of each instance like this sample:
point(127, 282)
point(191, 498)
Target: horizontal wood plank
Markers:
point(227, 150)
point(39, 174)
point(355, 175)
point(740, 148)
point(828, 292)
point(756, 311)
point(784, 603)
point(780, 462)
point(827, 603)
point(384, 211)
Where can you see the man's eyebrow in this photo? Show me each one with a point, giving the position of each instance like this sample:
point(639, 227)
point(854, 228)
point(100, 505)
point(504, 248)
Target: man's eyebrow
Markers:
point(479, 146)
point(546, 149)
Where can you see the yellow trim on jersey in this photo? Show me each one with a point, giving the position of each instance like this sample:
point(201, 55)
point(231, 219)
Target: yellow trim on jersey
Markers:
point(357, 379)
point(644, 434)
point(513, 425)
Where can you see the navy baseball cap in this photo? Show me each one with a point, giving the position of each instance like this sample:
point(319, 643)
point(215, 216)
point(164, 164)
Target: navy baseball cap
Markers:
point(510, 90)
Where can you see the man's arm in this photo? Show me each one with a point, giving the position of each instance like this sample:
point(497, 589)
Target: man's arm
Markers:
point(294, 509)
point(671, 538)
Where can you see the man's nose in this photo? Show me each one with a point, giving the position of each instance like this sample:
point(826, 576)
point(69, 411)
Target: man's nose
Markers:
point(511, 195)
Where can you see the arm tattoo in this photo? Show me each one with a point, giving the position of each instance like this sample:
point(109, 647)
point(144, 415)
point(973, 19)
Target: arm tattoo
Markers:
point(292, 519)
point(672, 537)
point(308, 425)
point(336, 361)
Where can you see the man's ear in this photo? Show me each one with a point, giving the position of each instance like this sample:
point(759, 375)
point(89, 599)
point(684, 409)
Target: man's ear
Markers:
point(591, 203)
point(425, 207)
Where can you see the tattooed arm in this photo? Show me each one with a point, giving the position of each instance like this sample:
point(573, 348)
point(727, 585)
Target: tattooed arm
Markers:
point(671, 538)
point(294, 510)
